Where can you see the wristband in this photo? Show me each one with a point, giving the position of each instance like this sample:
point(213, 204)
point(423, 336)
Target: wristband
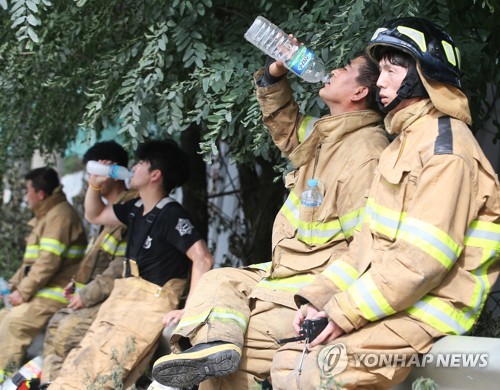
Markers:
point(94, 188)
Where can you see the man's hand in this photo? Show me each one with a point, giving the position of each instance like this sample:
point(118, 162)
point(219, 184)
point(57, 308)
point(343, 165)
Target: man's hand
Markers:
point(330, 333)
point(69, 290)
point(76, 302)
point(173, 316)
point(15, 298)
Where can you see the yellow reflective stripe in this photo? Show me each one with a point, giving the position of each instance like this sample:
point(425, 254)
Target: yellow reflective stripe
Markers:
point(306, 127)
point(450, 53)
point(312, 233)
point(51, 245)
point(120, 251)
point(350, 221)
point(291, 284)
point(54, 293)
point(341, 274)
point(431, 240)
point(31, 252)
point(75, 252)
point(484, 235)
point(459, 58)
point(79, 286)
point(482, 285)
point(262, 266)
point(112, 246)
point(369, 299)
point(417, 36)
point(382, 219)
point(214, 315)
point(441, 316)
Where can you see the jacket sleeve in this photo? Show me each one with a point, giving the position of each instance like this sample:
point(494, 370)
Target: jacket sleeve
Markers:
point(280, 113)
point(429, 239)
point(101, 286)
point(55, 239)
point(342, 272)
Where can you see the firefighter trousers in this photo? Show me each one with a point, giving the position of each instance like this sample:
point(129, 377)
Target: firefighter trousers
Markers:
point(64, 332)
point(378, 356)
point(222, 309)
point(124, 334)
point(19, 325)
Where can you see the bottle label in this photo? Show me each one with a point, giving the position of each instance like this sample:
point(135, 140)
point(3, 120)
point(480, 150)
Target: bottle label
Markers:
point(301, 60)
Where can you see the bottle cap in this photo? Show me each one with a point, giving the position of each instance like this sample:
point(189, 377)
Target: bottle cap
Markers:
point(312, 182)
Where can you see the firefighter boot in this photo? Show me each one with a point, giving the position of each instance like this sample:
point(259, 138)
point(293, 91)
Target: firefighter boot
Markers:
point(194, 365)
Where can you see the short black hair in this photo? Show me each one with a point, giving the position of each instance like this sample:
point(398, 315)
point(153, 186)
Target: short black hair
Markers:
point(169, 158)
point(394, 56)
point(107, 150)
point(45, 179)
point(368, 76)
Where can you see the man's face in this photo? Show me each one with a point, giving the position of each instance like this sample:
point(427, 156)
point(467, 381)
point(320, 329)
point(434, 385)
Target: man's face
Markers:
point(389, 81)
point(141, 174)
point(342, 83)
point(33, 196)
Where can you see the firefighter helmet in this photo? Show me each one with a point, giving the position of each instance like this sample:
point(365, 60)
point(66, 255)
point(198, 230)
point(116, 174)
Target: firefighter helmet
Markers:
point(432, 48)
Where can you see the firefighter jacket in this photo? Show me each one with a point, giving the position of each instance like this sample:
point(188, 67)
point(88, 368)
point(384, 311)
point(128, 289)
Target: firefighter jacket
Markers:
point(54, 249)
point(341, 152)
point(103, 262)
point(430, 237)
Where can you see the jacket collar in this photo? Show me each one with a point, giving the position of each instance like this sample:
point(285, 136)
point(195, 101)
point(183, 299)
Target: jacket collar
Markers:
point(401, 120)
point(48, 203)
point(332, 129)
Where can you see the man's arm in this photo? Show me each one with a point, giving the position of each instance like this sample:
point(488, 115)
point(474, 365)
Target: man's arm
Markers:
point(203, 261)
point(96, 211)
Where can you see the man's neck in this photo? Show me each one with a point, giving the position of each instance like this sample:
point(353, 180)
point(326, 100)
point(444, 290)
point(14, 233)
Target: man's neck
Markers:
point(150, 197)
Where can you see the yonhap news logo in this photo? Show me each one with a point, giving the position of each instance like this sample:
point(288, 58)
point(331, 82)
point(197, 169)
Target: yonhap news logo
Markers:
point(333, 359)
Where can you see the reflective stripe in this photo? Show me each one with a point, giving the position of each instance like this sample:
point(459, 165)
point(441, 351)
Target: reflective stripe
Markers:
point(79, 286)
point(306, 127)
point(484, 235)
point(75, 252)
point(341, 274)
point(214, 315)
point(450, 53)
point(381, 219)
point(350, 221)
point(291, 284)
point(54, 293)
point(369, 299)
point(416, 36)
point(31, 252)
point(431, 240)
point(441, 316)
point(311, 233)
point(112, 246)
point(51, 245)
point(262, 266)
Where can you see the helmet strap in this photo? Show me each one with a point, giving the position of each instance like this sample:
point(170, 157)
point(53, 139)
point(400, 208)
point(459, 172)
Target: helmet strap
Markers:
point(410, 87)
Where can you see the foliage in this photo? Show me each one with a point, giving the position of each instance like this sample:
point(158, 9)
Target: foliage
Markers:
point(155, 67)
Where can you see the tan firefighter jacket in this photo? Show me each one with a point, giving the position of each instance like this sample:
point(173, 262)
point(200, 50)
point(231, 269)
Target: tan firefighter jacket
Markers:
point(430, 237)
point(103, 262)
point(340, 151)
point(54, 249)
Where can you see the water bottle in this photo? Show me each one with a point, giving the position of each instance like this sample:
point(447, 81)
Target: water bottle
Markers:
point(277, 44)
point(311, 197)
point(113, 171)
point(4, 290)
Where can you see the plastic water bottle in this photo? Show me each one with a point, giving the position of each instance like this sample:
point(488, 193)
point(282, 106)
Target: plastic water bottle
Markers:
point(311, 197)
point(113, 171)
point(31, 370)
point(4, 290)
point(277, 44)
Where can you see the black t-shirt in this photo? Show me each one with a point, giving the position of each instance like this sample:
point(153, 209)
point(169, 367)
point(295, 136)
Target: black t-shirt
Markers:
point(162, 254)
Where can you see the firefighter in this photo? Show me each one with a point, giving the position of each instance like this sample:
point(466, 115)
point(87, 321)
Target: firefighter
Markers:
point(426, 256)
point(54, 249)
point(237, 315)
point(102, 264)
point(163, 246)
